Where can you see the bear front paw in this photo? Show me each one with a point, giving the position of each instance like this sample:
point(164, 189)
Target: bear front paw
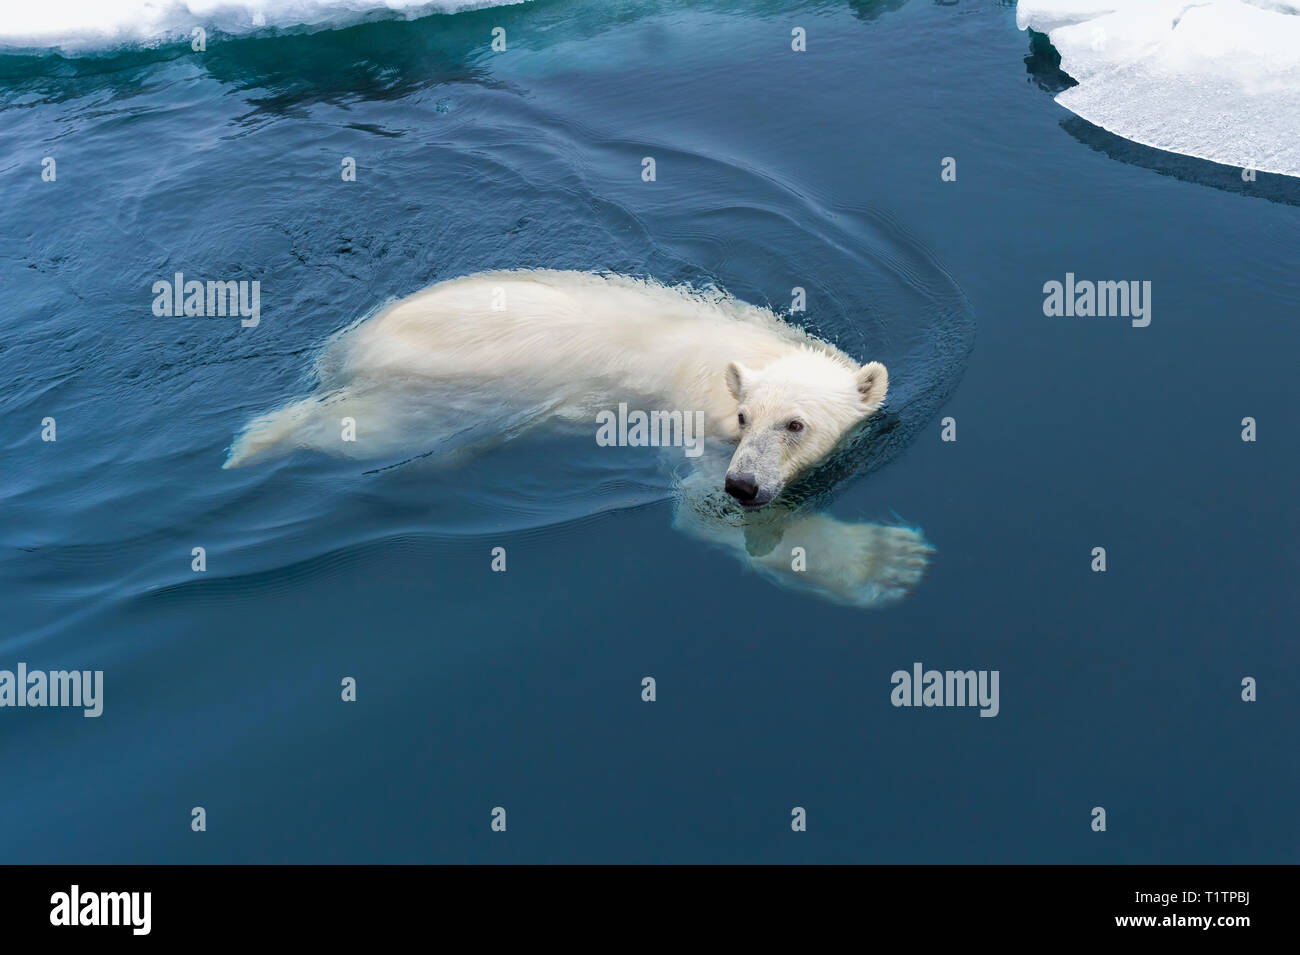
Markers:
point(878, 564)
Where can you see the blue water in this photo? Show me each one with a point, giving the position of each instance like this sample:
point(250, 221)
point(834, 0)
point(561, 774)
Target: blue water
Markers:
point(523, 689)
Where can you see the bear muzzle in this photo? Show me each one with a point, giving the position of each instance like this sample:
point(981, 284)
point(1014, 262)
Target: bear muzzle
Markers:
point(743, 486)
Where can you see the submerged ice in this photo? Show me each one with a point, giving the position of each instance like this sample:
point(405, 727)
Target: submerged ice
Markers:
point(83, 26)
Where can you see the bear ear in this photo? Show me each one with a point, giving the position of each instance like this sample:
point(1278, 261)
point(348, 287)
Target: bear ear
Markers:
point(738, 377)
point(873, 382)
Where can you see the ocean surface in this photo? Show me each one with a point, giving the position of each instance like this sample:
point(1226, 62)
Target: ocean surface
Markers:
point(775, 169)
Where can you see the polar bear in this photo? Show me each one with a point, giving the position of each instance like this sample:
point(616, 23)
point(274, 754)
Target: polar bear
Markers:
point(774, 402)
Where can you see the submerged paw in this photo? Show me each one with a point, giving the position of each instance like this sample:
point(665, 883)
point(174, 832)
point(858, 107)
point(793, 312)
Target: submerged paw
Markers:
point(883, 563)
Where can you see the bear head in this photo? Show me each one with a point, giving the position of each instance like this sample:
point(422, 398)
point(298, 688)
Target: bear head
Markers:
point(792, 413)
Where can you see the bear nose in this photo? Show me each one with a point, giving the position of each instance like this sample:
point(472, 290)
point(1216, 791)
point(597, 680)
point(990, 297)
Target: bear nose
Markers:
point(742, 487)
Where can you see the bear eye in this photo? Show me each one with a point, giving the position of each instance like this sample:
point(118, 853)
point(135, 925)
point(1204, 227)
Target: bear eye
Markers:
point(741, 418)
point(795, 426)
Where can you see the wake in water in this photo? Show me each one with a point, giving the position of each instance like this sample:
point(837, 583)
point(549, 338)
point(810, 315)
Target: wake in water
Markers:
point(1216, 79)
